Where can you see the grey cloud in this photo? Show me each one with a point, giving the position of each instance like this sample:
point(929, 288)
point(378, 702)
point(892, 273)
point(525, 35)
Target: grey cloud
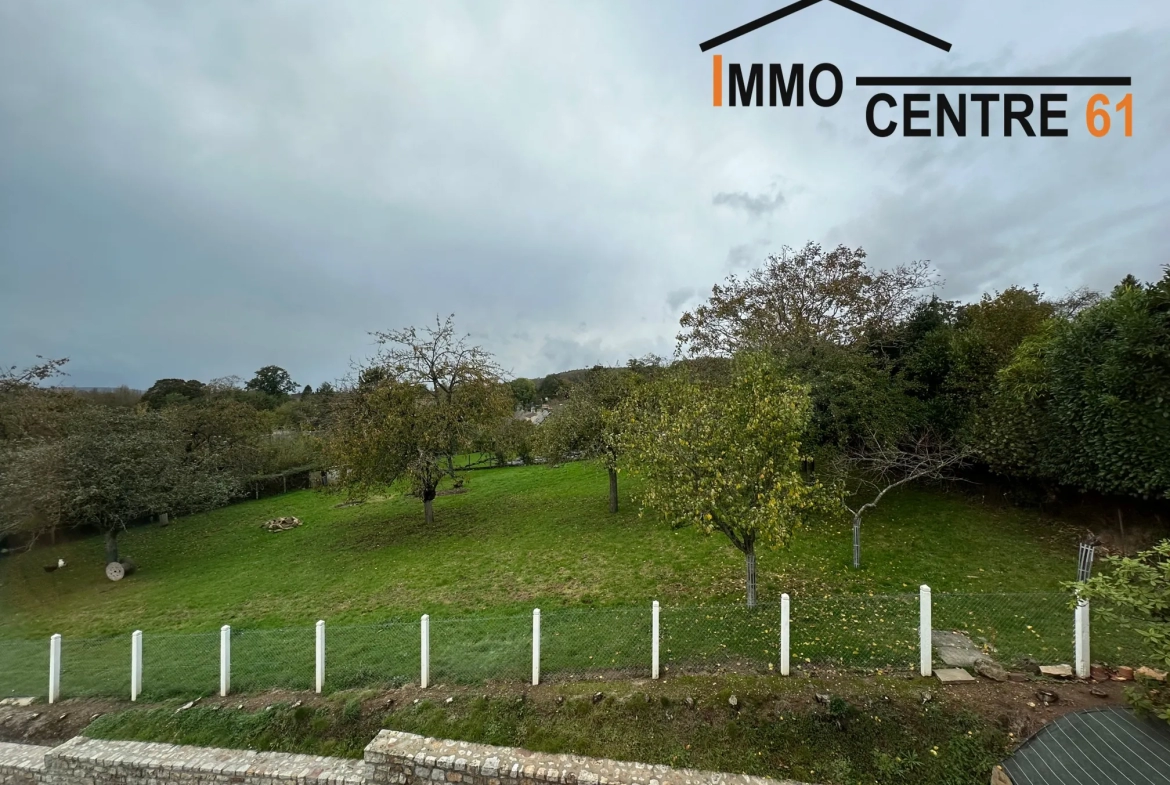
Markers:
point(746, 255)
point(679, 296)
point(756, 206)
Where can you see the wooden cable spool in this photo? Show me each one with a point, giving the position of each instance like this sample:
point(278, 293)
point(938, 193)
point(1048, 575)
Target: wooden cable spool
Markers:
point(116, 571)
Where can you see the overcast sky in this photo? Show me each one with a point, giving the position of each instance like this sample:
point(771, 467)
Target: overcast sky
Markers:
point(199, 189)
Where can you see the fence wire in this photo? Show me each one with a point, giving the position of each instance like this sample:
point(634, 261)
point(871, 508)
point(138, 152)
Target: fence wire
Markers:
point(873, 631)
point(24, 668)
point(475, 649)
point(371, 655)
point(1115, 636)
point(95, 666)
point(1011, 627)
point(701, 638)
point(870, 631)
point(176, 664)
point(595, 643)
point(270, 659)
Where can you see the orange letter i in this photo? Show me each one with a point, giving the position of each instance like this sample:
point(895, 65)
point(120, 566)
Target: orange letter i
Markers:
point(717, 80)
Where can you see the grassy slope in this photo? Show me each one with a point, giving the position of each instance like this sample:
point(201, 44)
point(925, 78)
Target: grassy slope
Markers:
point(519, 538)
point(879, 732)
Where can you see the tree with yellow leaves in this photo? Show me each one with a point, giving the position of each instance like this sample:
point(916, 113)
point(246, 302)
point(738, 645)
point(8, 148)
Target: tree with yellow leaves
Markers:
point(726, 457)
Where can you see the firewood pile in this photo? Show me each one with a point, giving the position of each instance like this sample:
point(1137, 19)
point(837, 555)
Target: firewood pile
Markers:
point(282, 524)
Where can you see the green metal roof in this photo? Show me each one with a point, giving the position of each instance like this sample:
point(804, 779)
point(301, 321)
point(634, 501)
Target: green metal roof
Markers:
point(1094, 747)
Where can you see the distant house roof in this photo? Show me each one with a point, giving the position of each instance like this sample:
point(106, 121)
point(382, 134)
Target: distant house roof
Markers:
point(536, 417)
point(1094, 747)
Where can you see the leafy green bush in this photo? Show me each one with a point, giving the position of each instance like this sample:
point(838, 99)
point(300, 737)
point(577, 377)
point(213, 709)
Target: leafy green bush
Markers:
point(1135, 592)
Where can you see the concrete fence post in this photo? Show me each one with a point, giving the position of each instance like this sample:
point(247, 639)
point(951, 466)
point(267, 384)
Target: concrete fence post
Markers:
point(320, 647)
point(1081, 628)
point(535, 646)
point(785, 641)
point(654, 615)
point(135, 664)
point(425, 658)
point(924, 630)
point(54, 668)
point(225, 660)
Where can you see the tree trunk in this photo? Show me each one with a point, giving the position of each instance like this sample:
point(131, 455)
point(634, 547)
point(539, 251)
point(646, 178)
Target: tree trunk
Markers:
point(856, 541)
point(613, 499)
point(429, 505)
point(111, 546)
point(750, 555)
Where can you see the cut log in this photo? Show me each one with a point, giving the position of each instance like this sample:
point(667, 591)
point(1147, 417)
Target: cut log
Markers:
point(129, 566)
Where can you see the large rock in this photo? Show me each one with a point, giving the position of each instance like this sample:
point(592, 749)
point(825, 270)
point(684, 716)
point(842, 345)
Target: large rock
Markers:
point(990, 669)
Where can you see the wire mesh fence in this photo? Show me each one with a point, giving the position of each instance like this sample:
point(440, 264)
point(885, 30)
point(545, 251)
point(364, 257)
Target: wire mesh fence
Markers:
point(592, 643)
point(864, 631)
point(1011, 627)
point(856, 630)
point(270, 659)
point(384, 654)
point(1115, 636)
point(95, 666)
point(176, 664)
point(475, 649)
point(24, 668)
point(719, 637)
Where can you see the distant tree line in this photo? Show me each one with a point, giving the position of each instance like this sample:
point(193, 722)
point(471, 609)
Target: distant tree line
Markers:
point(109, 459)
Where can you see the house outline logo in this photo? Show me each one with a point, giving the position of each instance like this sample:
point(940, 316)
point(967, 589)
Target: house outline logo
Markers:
point(800, 5)
point(787, 86)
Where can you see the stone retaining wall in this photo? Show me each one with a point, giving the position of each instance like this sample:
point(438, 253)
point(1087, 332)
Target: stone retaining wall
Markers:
point(394, 758)
point(21, 764)
point(82, 761)
point(390, 759)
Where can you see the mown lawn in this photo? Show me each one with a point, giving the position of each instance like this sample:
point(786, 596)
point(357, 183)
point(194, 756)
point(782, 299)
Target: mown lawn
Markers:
point(520, 538)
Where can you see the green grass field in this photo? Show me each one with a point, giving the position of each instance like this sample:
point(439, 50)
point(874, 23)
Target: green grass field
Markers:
point(519, 538)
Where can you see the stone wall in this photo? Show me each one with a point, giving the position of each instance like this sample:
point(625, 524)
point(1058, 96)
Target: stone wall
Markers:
point(21, 764)
point(395, 758)
point(390, 759)
point(82, 761)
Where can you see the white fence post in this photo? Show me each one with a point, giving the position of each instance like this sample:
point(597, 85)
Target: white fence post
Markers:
point(320, 656)
point(784, 639)
point(425, 677)
point(135, 664)
point(924, 629)
point(225, 660)
point(535, 646)
point(54, 667)
point(1081, 626)
point(654, 611)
